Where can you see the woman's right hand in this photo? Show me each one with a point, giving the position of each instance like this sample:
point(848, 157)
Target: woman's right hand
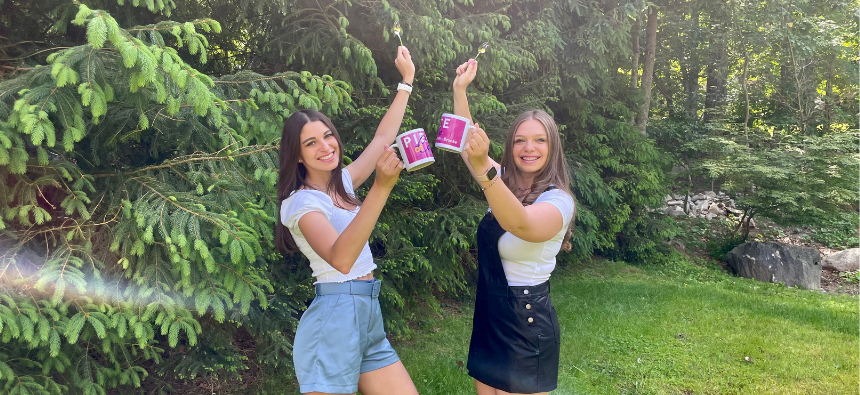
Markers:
point(404, 64)
point(388, 168)
point(477, 149)
point(465, 74)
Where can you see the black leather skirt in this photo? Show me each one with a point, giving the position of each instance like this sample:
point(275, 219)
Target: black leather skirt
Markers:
point(515, 339)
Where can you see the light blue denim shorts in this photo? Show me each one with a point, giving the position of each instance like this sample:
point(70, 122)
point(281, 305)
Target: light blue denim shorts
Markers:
point(341, 336)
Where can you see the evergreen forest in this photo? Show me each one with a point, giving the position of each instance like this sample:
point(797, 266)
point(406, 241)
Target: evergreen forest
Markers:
point(139, 154)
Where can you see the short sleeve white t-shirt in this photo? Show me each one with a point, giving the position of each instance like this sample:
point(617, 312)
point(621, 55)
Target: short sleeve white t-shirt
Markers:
point(304, 201)
point(528, 263)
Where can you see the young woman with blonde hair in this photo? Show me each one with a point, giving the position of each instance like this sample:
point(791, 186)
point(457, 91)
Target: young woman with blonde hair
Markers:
point(515, 334)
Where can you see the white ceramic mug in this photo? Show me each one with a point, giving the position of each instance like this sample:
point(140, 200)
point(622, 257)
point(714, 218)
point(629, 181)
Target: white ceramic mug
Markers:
point(452, 133)
point(414, 149)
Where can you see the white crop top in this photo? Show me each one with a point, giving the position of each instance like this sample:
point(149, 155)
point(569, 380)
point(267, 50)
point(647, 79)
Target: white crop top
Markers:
point(304, 201)
point(527, 263)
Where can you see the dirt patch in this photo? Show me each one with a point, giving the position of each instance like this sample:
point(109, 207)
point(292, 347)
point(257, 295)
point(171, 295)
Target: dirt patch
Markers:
point(245, 383)
point(832, 282)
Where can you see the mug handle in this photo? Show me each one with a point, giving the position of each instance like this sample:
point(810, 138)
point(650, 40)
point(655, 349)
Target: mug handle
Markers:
point(466, 132)
point(397, 152)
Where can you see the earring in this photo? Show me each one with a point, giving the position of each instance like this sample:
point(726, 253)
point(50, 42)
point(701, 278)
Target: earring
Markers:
point(300, 161)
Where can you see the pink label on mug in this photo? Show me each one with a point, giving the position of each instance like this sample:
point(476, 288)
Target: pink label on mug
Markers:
point(451, 131)
point(416, 146)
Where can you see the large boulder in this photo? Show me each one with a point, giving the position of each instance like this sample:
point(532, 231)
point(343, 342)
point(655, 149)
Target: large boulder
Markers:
point(777, 262)
point(843, 261)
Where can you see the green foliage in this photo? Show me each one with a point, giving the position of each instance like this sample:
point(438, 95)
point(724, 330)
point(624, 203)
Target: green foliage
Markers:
point(137, 203)
point(851, 277)
point(790, 179)
point(839, 233)
point(139, 156)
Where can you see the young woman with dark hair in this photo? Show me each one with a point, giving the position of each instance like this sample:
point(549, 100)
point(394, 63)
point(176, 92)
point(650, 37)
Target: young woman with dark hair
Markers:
point(340, 345)
point(515, 334)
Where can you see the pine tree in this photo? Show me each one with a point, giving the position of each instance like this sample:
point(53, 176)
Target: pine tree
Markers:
point(139, 199)
point(137, 202)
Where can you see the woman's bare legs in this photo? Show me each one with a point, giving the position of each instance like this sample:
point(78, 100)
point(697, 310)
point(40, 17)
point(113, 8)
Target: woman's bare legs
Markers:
point(390, 380)
point(484, 389)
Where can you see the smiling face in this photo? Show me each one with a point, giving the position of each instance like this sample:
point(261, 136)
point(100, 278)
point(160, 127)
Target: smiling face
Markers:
point(530, 147)
point(320, 150)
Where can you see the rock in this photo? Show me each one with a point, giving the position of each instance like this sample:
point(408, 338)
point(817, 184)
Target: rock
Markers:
point(667, 198)
point(735, 211)
point(752, 224)
point(675, 211)
point(699, 196)
point(702, 206)
point(679, 197)
point(710, 216)
point(777, 262)
point(714, 209)
point(710, 194)
point(675, 202)
point(678, 245)
point(843, 261)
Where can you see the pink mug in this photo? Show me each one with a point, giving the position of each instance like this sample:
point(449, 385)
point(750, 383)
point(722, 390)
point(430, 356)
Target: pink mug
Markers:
point(452, 133)
point(414, 149)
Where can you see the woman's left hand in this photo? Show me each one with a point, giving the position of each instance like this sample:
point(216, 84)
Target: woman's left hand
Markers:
point(404, 65)
point(477, 149)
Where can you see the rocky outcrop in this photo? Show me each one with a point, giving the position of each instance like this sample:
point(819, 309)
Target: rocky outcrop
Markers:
point(708, 205)
point(777, 262)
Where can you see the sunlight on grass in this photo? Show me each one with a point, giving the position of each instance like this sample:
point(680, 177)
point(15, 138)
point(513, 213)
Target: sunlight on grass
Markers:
point(670, 329)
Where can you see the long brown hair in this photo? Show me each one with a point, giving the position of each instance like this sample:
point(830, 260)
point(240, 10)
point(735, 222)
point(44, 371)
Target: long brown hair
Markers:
point(555, 172)
point(292, 173)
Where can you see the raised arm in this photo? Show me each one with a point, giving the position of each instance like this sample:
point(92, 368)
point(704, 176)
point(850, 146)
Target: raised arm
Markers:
point(341, 251)
point(535, 223)
point(361, 168)
point(465, 75)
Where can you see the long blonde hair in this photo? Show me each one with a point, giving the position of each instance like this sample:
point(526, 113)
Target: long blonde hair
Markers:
point(555, 172)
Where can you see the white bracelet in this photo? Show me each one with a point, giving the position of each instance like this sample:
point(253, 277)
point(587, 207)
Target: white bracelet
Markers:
point(403, 87)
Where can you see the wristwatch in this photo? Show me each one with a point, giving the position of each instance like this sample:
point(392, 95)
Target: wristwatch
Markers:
point(489, 175)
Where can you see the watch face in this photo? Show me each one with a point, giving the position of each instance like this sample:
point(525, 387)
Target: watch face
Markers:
point(491, 174)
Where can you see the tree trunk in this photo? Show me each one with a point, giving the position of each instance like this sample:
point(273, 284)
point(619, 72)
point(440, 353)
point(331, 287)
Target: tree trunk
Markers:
point(690, 71)
point(670, 104)
point(634, 33)
point(745, 84)
point(829, 100)
point(648, 69)
point(718, 68)
point(718, 61)
point(634, 68)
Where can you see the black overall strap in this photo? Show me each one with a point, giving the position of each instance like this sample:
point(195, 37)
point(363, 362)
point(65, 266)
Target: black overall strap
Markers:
point(491, 274)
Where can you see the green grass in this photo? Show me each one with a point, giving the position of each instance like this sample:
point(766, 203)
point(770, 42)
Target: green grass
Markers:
point(671, 329)
point(668, 328)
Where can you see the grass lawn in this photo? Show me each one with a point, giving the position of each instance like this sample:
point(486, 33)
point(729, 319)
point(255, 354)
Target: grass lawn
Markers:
point(672, 328)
